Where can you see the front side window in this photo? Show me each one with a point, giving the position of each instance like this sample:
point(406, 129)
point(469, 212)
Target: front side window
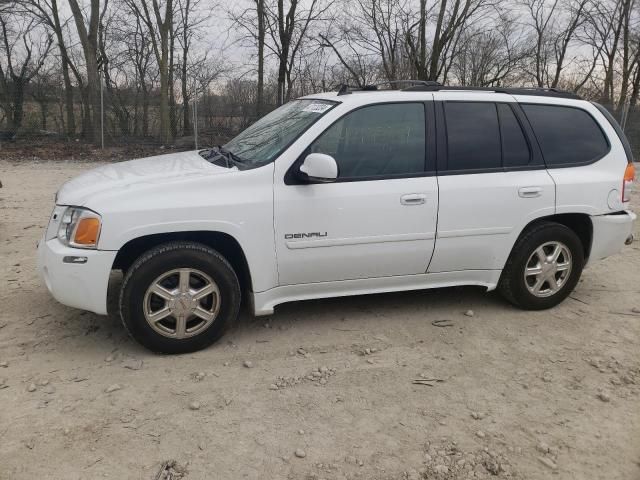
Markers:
point(374, 141)
point(566, 135)
point(263, 141)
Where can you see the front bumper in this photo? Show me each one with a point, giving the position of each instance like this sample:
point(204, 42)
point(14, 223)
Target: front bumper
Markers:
point(78, 285)
point(610, 233)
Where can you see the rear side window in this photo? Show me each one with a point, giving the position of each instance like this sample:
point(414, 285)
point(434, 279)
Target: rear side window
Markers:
point(616, 126)
point(484, 136)
point(515, 149)
point(567, 136)
point(473, 135)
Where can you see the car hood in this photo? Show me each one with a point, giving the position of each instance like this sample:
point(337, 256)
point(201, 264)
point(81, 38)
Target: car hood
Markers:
point(124, 176)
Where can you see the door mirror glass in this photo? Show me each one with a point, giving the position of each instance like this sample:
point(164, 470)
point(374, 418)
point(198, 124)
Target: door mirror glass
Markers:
point(318, 167)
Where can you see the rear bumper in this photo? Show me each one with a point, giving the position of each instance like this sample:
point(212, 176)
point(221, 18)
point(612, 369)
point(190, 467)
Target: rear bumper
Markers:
point(78, 285)
point(611, 233)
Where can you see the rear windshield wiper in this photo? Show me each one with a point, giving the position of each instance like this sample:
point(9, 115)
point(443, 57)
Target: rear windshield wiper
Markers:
point(215, 154)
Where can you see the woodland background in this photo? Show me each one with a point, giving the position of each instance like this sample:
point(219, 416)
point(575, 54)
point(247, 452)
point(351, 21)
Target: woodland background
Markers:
point(79, 74)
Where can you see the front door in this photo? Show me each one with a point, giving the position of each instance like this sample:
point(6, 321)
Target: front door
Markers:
point(379, 218)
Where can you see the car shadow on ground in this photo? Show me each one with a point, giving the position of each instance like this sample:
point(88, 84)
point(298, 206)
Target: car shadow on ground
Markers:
point(434, 303)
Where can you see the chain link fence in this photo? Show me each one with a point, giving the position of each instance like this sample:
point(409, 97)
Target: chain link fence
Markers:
point(629, 119)
point(130, 124)
point(127, 123)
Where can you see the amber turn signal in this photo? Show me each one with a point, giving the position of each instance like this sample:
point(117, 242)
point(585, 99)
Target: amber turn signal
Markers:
point(87, 231)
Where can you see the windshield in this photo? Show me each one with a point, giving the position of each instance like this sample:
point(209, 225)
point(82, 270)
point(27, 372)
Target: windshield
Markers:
point(263, 141)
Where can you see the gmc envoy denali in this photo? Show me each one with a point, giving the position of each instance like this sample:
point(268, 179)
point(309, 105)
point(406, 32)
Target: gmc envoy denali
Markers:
point(347, 193)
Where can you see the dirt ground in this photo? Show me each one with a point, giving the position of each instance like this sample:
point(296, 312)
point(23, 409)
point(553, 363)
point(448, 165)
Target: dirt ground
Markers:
point(328, 392)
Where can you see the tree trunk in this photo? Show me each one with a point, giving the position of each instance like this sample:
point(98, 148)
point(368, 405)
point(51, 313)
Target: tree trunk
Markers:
point(165, 135)
point(173, 124)
point(282, 74)
point(421, 63)
point(186, 120)
point(17, 109)
point(93, 94)
point(436, 47)
point(43, 114)
point(89, 41)
point(261, 36)
point(64, 56)
point(145, 112)
point(626, 56)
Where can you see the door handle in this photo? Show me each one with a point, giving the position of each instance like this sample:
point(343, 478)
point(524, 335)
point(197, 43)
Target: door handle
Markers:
point(530, 192)
point(413, 199)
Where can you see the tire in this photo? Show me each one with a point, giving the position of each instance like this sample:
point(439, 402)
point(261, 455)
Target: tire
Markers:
point(525, 254)
point(181, 270)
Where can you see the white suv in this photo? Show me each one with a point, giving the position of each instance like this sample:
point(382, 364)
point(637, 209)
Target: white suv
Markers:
point(348, 193)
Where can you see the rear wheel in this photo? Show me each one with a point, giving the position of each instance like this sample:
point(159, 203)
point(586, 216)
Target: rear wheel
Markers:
point(179, 297)
point(544, 267)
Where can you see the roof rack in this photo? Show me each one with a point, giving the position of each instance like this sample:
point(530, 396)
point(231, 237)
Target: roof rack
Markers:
point(538, 91)
point(347, 89)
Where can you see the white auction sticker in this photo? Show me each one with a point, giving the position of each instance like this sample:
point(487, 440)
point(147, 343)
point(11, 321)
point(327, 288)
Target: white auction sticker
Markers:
point(317, 108)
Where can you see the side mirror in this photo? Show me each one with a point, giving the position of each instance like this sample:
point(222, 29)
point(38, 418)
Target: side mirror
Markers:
point(318, 167)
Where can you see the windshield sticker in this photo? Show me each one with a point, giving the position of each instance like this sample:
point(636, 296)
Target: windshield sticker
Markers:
point(317, 108)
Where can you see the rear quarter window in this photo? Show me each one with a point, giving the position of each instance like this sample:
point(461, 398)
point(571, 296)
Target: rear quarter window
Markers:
point(566, 135)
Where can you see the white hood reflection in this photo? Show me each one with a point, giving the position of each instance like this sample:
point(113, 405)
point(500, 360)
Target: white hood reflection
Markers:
point(123, 175)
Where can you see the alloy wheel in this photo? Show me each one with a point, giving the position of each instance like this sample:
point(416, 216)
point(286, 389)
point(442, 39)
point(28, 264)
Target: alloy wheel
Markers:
point(548, 269)
point(181, 303)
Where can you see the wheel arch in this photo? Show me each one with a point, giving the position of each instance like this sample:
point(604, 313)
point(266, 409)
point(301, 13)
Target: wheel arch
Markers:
point(227, 245)
point(579, 223)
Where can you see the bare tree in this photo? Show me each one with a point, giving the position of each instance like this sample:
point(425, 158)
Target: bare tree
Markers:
point(604, 26)
point(48, 12)
point(191, 20)
point(370, 28)
point(288, 29)
point(553, 26)
point(160, 31)
point(44, 86)
point(139, 53)
point(488, 57)
point(25, 49)
point(629, 51)
point(261, 34)
point(88, 35)
point(452, 17)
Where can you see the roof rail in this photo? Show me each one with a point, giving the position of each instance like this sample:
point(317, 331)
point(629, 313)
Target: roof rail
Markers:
point(538, 91)
point(347, 89)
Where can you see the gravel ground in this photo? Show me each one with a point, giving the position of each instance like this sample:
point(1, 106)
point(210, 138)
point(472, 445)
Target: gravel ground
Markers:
point(363, 387)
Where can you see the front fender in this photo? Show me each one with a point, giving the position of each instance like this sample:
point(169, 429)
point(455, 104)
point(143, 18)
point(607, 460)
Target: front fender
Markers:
point(239, 205)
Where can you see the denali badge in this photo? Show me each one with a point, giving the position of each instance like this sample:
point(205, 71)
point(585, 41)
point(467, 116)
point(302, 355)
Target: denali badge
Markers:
point(289, 236)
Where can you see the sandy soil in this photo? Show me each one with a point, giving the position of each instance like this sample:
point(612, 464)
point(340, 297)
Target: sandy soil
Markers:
point(523, 395)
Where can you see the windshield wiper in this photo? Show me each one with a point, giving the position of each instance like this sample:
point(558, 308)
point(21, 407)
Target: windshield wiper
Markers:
point(216, 153)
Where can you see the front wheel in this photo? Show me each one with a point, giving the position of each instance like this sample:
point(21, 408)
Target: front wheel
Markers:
point(544, 267)
point(179, 297)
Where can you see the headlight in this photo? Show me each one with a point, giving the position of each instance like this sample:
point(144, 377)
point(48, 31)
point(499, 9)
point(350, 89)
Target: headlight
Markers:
point(79, 228)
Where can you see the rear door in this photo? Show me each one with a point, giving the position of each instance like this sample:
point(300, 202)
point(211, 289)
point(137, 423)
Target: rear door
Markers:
point(379, 218)
point(587, 167)
point(492, 181)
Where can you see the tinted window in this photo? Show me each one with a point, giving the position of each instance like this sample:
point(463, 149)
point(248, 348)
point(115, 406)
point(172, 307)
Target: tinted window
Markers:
point(515, 150)
point(473, 135)
point(616, 126)
point(566, 135)
point(376, 141)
